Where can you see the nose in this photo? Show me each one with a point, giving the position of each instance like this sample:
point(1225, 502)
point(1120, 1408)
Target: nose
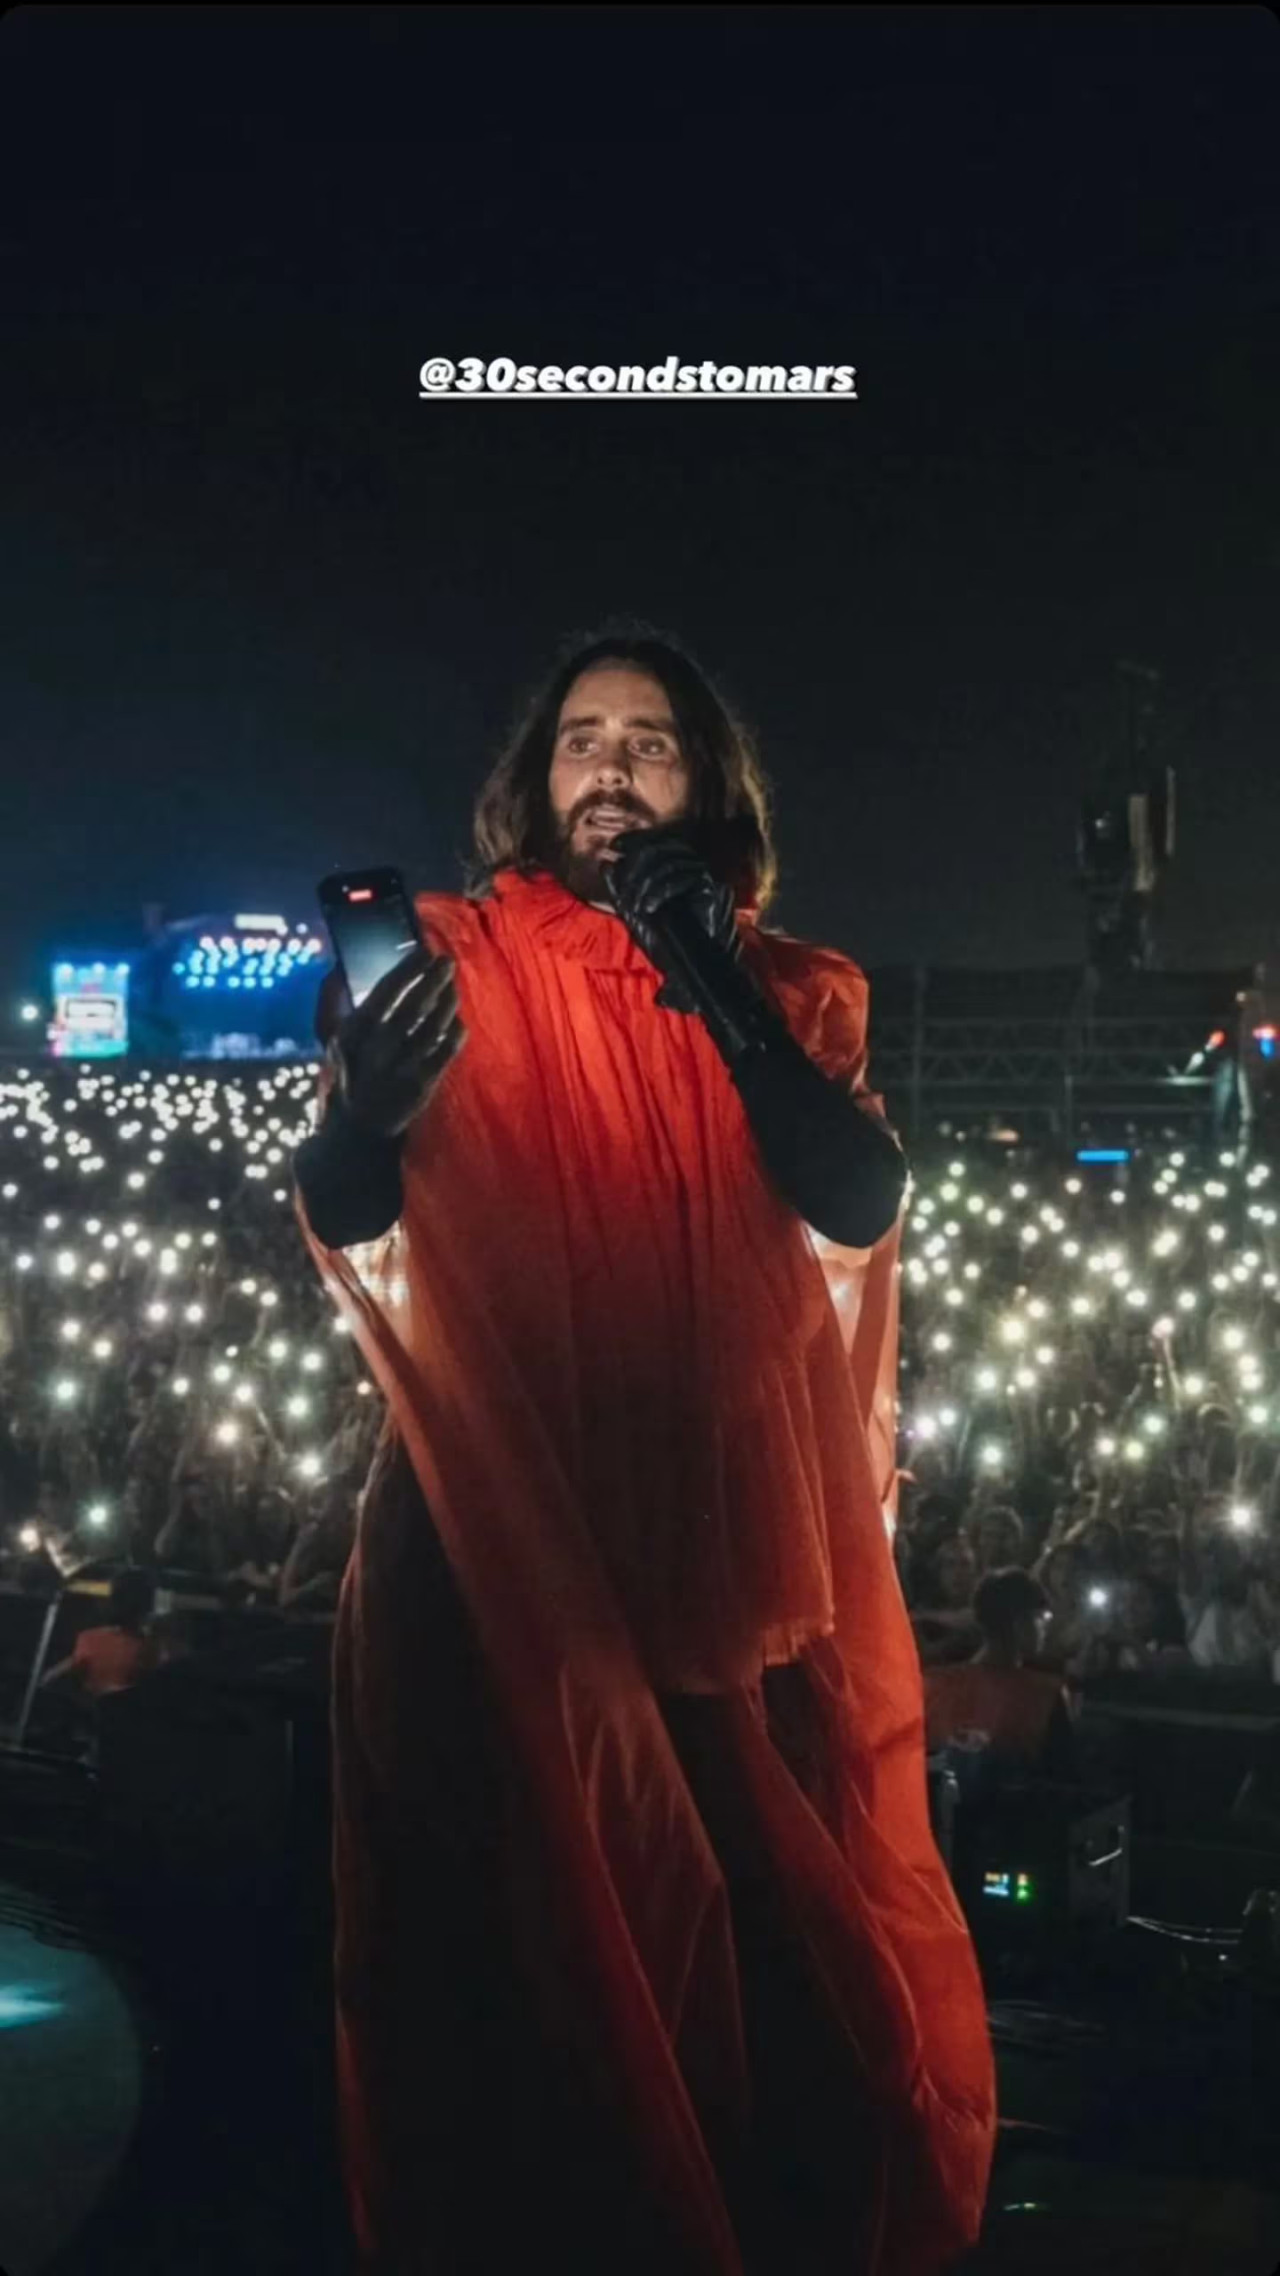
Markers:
point(613, 771)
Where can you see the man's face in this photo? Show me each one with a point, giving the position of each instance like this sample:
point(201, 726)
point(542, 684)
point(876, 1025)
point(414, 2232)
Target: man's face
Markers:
point(1139, 1610)
point(1162, 1556)
point(617, 765)
point(999, 1542)
point(957, 1571)
point(1062, 1577)
point(1030, 1634)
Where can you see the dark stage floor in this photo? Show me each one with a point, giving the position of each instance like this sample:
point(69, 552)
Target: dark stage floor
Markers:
point(165, 2085)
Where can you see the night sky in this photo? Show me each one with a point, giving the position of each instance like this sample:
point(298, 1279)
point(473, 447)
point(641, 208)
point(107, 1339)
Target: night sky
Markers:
point(265, 612)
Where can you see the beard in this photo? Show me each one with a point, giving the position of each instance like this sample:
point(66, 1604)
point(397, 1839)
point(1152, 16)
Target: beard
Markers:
point(583, 874)
point(583, 871)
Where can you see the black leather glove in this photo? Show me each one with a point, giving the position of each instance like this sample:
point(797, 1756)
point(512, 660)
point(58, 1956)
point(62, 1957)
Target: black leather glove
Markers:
point(660, 865)
point(350, 1180)
point(390, 1052)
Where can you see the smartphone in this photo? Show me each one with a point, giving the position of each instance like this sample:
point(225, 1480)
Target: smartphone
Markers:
point(371, 923)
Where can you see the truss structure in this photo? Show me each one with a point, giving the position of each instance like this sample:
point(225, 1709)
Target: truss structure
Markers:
point(1065, 1054)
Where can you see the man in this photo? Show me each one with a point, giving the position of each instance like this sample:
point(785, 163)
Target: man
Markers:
point(941, 1571)
point(1021, 1709)
point(1226, 1614)
point(997, 1538)
point(118, 1653)
point(645, 1953)
point(109, 1658)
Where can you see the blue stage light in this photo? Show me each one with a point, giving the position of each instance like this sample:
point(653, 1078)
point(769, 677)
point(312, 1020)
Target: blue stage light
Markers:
point(1103, 1154)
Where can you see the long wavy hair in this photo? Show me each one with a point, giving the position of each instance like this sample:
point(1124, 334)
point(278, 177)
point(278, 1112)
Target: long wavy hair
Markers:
point(513, 823)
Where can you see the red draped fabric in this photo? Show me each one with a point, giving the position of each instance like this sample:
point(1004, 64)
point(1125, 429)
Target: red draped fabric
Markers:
point(652, 1417)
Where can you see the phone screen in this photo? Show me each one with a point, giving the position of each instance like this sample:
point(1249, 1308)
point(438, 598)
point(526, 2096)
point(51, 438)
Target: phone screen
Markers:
point(371, 924)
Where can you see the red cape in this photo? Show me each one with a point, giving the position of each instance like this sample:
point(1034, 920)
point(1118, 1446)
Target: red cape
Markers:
point(653, 1419)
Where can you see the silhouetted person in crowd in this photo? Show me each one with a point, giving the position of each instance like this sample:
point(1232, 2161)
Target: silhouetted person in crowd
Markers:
point(1021, 1708)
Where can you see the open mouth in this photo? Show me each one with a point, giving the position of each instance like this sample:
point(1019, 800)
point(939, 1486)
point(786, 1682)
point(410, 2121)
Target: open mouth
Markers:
point(610, 818)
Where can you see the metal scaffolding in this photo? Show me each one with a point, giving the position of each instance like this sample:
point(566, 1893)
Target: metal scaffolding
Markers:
point(1064, 1054)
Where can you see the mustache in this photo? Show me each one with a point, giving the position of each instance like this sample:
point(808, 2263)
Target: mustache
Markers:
point(620, 805)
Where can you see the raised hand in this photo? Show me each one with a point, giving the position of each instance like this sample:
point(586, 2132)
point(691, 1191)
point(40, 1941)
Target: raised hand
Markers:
point(654, 867)
point(391, 1051)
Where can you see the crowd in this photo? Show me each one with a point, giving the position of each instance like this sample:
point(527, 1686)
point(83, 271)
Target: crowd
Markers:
point(1090, 1381)
point(175, 1390)
point(1090, 1396)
